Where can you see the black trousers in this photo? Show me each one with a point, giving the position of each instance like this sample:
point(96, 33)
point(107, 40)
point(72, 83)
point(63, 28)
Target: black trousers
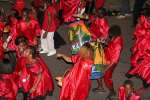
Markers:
point(138, 6)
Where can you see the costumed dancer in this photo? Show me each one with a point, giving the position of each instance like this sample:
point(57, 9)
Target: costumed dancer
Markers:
point(50, 25)
point(112, 54)
point(141, 31)
point(13, 33)
point(127, 92)
point(35, 78)
point(29, 27)
point(99, 32)
point(76, 84)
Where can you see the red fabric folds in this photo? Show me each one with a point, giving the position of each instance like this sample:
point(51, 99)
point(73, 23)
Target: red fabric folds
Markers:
point(99, 28)
point(112, 54)
point(29, 77)
point(69, 8)
point(122, 94)
point(77, 83)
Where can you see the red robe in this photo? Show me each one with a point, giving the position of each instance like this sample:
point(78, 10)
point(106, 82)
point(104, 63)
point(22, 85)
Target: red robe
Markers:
point(143, 68)
point(52, 13)
point(13, 33)
point(69, 8)
point(99, 28)
point(8, 87)
point(122, 95)
point(99, 4)
point(77, 83)
point(112, 54)
point(45, 85)
point(29, 29)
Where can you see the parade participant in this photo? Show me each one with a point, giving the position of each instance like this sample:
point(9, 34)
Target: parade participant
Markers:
point(35, 78)
point(127, 92)
point(21, 43)
point(141, 68)
point(1, 40)
point(49, 27)
point(29, 27)
point(112, 54)
point(76, 84)
point(13, 33)
point(19, 6)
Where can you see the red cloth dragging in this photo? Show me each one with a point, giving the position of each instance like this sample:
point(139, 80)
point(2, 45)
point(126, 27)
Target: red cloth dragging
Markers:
point(112, 54)
point(99, 28)
point(122, 94)
point(50, 22)
point(77, 83)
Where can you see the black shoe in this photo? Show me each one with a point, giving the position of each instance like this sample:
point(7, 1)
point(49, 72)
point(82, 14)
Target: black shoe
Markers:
point(98, 90)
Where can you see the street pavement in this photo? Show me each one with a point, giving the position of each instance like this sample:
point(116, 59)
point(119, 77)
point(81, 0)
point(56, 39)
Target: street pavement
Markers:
point(58, 67)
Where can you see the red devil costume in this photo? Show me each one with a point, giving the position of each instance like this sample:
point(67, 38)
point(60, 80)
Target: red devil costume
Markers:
point(112, 54)
point(77, 83)
point(30, 74)
point(99, 28)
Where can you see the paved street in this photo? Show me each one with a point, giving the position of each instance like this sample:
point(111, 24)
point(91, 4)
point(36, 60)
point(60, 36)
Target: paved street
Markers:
point(57, 67)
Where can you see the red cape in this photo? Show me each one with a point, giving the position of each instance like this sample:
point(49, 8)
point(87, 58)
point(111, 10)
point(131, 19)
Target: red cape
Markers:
point(45, 85)
point(77, 83)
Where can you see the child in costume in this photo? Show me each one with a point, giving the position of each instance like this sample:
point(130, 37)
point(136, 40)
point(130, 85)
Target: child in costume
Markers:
point(127, 92)
point(112, 54)
point(49, 27)
point(76, 84)
point(35, 78)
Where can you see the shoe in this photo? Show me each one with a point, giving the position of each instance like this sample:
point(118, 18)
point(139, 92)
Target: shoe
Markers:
point(98, 90)
point(121, 17)
point(51, 53)
point(43, 51)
